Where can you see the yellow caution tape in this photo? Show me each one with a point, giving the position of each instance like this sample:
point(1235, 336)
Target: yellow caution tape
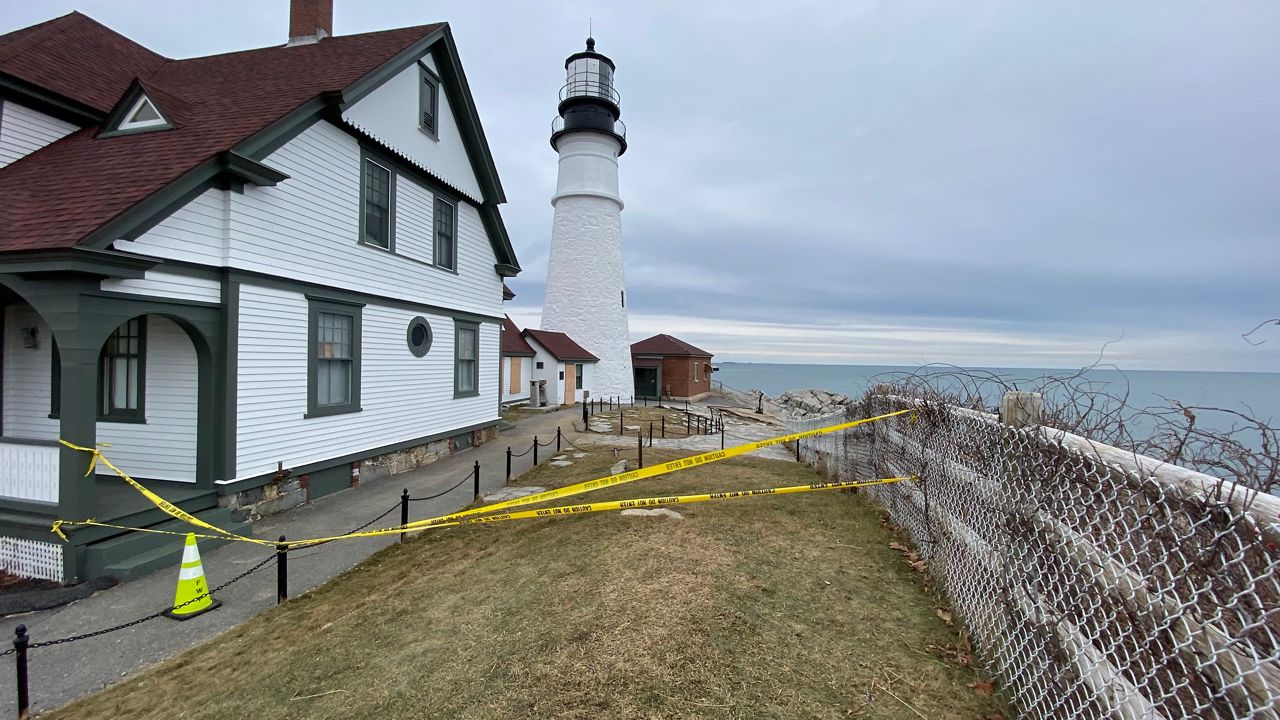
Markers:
point(455, 518)
point(561, 511)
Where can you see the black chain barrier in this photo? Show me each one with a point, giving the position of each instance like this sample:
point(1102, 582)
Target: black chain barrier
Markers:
point(442, 493)
point(153, 616)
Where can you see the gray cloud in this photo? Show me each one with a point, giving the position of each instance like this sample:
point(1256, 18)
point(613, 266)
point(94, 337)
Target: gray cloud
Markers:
point(990, 181)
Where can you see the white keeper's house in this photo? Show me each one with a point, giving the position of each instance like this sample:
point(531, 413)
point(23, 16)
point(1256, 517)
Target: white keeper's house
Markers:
point(261, 276)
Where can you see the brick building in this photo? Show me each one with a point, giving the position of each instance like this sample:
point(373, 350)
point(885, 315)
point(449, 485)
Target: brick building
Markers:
point(680, 370)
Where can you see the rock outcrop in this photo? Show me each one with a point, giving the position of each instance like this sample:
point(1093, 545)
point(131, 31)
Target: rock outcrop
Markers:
point(811, 403)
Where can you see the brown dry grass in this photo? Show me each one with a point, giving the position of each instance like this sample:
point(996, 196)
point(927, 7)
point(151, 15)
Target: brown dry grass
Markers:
point(775, 607)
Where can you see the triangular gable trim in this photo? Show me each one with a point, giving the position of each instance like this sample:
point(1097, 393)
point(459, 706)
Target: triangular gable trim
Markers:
point(121, 120)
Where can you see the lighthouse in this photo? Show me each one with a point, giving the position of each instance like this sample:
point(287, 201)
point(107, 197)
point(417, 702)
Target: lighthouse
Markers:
point(586, 295)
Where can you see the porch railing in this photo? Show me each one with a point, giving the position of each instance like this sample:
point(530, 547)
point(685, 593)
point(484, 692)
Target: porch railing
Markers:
point(29, 470)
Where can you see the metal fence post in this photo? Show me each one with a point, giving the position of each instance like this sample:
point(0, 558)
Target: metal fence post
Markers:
point(722, 435)
point(535, 450)
point(663, 419)
point(508, 463)
point(476, 480)
point(282, 571)
point(621, 430)
point(404, 511)
point(20, 641)
point(797, 450)
point(584, 416)
point(650, 433)
point(688, 423)
point(557, 438)
point(640, 448)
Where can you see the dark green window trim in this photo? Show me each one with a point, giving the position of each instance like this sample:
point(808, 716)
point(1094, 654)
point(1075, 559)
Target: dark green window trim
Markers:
point(444, 221)
point(317, 307)
point(368, 163)
point(461, 373)
point(110, 355)
point(418, 336)
point(428, 102)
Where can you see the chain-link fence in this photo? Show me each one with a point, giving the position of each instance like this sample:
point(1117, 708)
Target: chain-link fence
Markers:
point(1093, 582)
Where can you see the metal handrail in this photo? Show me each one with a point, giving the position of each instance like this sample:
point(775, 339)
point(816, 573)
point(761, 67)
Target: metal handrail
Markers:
point(619, 127)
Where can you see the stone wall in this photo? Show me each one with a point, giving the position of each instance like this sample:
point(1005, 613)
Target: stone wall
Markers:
point(287, 493)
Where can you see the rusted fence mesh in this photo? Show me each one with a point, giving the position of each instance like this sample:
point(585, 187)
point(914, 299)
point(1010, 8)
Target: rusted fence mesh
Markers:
point(1093, 582)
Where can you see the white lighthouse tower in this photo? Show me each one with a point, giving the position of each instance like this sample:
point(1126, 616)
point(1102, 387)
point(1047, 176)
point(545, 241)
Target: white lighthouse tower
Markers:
point(586, 295)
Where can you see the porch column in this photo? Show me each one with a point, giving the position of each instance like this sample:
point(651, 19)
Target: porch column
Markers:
point(78, 413)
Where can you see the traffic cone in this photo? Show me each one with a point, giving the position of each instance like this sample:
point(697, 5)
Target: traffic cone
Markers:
point(191, 585)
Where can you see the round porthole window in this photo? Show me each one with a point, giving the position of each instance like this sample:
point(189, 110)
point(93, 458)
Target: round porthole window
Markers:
point(418, 336)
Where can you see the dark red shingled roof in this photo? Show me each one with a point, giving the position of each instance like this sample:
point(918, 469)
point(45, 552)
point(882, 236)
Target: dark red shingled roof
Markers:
point(77, 57)
point(666, 345)
point(506, 292)
point(513, 342)
point(561, 346)
point(56, 196)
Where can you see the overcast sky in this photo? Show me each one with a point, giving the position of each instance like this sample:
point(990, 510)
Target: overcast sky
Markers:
point(973, 181)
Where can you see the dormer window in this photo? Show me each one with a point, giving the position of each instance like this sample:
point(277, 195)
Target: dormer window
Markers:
point(142, 115)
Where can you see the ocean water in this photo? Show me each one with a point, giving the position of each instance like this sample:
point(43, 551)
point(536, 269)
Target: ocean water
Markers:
point(1256, 394)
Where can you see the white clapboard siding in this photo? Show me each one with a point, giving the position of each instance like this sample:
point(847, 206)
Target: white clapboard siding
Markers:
point(390, 114)
point(28, 375)
point(415, 209)
point(196, 232)
point(163, 448)
point(306, 228)
point(169, 285)
point(526, 374)
point(403, 397)
point(24, 131)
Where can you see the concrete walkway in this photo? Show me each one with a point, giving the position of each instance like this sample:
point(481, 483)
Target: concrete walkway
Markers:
point(62, 673)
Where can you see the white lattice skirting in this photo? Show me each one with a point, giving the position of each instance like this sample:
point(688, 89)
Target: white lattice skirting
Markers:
point(31, 558)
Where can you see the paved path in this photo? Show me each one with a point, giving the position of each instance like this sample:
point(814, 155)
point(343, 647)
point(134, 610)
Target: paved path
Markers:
point(64, 672)
point(739, 428)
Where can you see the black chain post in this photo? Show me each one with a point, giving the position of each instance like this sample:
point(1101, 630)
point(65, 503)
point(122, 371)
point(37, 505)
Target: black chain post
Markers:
point(797, 451)
point(621, 430)
point(650, 433)
point(664, 426)
point(686, 406)
point(557, 438)
point(722, 433)
point(476, 479)
point(640, 448)
point(508, 463)
point(688, 423)
point(404, 510)
point(535, 451)
point(20, 641)
point(282, 571)
point(585, 405)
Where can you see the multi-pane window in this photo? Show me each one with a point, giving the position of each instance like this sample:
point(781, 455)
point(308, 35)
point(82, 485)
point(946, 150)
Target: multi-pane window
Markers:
point(334, 359)
point(446, 234)
point(428, 100)
point(121, 373)
point(334, 363)
point(375, 191)
point(577, 374)
point(466, 364)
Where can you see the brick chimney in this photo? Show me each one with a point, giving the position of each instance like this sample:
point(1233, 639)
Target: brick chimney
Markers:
point(310, 20)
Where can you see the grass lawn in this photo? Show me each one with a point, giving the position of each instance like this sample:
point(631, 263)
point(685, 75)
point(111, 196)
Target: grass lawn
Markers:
point(773, 607)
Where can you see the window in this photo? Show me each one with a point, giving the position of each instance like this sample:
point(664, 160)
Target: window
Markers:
point(142, 115)
point(333, 362)
point(539, 364)
point(577, 373)
point(376, 202)
point(121, 374)
point(418, 336)
point(466, 364)
point(561, 374)
point(446, 226)
point(697, 371)
point(428, 100)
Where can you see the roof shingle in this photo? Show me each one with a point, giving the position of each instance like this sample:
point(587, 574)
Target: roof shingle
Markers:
point(67, 190)
point(666, 345)
point(561, 346)
point(513, 343)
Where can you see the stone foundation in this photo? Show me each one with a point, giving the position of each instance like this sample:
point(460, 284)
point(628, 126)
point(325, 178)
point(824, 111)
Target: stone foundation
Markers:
point(280, 495)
